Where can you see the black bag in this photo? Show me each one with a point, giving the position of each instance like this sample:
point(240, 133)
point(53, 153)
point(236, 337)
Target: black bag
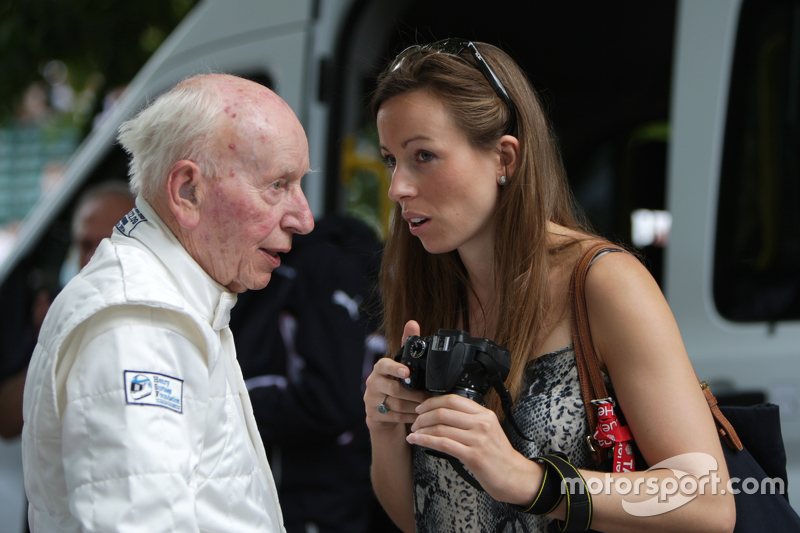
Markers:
point(759, 454)
point(761, 457)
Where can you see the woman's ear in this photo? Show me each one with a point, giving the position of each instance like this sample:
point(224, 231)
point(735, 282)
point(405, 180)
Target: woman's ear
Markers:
point(508, 148)
point(182, 197)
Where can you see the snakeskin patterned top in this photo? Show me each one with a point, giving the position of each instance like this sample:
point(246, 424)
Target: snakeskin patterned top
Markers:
point(551, 413)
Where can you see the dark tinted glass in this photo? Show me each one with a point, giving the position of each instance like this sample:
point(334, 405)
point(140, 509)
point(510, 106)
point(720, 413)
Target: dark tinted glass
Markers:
point(757, 257)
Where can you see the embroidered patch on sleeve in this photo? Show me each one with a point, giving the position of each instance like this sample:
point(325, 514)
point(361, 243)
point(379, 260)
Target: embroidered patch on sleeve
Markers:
point(150, 388)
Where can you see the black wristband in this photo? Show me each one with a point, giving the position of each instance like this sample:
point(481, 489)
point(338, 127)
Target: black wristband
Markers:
point(549, 495)
point(579, 500)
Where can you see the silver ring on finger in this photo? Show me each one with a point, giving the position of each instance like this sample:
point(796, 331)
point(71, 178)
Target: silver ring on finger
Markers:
point(382, 409)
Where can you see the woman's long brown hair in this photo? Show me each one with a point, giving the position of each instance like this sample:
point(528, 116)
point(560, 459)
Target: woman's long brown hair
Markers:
point(432, 289)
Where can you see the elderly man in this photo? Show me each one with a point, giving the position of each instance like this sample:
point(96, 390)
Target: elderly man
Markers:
point(136, 414)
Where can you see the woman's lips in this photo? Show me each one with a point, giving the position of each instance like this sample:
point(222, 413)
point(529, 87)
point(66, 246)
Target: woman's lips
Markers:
point(418, 225)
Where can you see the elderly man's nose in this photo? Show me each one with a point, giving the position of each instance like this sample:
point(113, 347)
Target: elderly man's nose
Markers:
point(299, 218)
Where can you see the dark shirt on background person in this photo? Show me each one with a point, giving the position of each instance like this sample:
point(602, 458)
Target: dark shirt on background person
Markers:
point(305, 373)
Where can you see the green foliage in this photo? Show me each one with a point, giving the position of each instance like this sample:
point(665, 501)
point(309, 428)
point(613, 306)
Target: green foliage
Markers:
point(103, 43)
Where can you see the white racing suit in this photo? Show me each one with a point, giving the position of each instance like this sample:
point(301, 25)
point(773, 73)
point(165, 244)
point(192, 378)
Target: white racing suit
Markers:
point(136, 414)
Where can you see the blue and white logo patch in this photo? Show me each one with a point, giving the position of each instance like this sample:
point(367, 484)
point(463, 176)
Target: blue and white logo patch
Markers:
point(130, 221)
point(150, 388)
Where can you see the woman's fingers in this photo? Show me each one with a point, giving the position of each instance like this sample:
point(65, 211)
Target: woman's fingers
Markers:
point(392, 404)
point(471, 433)
point(393, 410)
point(454, 413)
point(460, 427)
point(475, 447)
point(440, 443)
point(385, 380)
point(451, 401)
point(411, 328)
point(388, 367)
point(386, 401)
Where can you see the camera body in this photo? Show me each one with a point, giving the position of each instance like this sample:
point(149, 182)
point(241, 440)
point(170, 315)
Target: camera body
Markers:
point(453, 362)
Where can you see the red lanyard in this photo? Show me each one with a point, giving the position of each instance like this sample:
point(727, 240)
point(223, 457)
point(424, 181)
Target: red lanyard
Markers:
point(611, 433)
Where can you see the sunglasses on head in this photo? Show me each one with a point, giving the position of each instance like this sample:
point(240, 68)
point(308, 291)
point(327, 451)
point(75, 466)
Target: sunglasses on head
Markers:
point(455, 47)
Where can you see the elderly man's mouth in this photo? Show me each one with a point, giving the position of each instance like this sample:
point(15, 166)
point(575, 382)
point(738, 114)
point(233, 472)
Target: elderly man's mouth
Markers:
point(272, 256)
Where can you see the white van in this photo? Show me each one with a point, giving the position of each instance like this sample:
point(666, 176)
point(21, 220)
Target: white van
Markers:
point(678, 121)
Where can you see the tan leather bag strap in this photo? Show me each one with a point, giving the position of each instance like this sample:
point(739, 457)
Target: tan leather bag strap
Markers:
point(591, 378)
point(724, 428)
point(593, 386)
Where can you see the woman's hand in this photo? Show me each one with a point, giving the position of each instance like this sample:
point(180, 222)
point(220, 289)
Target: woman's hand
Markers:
point(391, 455)
point(384, 388)
point(468, 431)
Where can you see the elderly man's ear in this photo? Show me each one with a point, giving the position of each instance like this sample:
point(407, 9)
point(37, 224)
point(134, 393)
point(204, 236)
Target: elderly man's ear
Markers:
point(182, 193)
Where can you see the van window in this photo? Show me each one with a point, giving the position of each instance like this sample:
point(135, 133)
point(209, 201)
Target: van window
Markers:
point(757, 256)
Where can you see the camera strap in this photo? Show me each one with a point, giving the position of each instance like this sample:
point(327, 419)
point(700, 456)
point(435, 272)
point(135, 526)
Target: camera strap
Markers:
point(462, 471)
point(506, 401)
point(497, 383)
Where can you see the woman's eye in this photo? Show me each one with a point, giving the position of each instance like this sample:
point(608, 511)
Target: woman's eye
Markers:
point(425, 156)
point(389, 161)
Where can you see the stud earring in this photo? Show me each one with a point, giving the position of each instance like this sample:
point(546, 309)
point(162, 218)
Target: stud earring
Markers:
point(503, 180)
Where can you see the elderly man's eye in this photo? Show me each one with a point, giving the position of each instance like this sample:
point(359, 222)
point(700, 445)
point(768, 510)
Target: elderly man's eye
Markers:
point(277, 185)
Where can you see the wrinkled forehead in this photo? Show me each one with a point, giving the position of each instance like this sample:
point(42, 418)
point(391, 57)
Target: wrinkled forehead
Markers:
point(259, 138)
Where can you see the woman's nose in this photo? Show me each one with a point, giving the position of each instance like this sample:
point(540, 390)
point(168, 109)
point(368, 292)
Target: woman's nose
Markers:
point(401, 186)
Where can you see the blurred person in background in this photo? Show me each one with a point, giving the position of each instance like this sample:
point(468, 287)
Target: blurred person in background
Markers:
point(96, 213)
point(97, 210)
point(306, 344)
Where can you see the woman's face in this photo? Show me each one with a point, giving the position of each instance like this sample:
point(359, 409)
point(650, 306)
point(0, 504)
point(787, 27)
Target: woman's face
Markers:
point(447, 188)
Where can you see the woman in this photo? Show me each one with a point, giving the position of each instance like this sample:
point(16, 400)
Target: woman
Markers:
point(484, 239)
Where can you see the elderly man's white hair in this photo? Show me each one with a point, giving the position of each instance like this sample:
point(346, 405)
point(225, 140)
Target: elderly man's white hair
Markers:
point(179, 124)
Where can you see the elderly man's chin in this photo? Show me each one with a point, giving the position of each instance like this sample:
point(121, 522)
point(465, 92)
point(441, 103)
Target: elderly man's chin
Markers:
point(256, 284)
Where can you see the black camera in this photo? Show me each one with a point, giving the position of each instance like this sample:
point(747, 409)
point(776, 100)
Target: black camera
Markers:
point(453, 362)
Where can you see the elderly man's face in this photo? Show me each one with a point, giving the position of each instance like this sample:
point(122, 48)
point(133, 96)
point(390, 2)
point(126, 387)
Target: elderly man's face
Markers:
point(250, 212)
